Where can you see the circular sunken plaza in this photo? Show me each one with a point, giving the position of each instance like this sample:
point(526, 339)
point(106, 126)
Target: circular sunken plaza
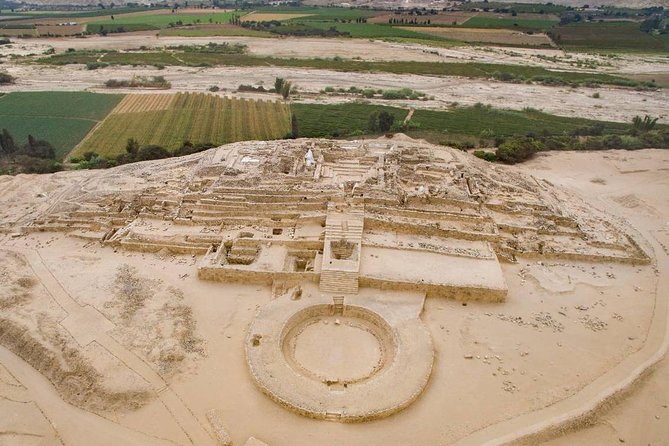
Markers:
point(330, 359)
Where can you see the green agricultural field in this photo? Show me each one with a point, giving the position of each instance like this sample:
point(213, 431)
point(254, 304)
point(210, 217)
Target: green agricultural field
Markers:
point(608, 36)
point(169, 120)
point(482, 120)
point(62, 118)
point(119, 27)
point(320, 14)
point(342, 120)
point(78, 14)
point(510, 23)
point(338, 120)
point(471, 70)
point(214, 31)
point(162, 20)
point(371, 30)
point(534, 8)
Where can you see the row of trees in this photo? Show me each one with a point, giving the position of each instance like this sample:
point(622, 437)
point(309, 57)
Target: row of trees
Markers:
point(403, 21)
point(35, 156)
point(134, 152)
point(641, 135)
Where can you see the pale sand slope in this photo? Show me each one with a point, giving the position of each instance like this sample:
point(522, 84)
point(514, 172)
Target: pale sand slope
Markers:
point(615, 104)
point(636, 185)
point(639, 419)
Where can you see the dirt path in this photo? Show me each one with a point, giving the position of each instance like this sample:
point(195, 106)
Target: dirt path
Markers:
point(409, 115)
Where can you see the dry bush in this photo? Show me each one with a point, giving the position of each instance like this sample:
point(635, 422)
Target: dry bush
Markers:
point(131, 289)
point(26, 282)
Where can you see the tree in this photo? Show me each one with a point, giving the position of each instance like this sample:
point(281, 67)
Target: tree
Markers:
point(373, 122)
point(386, 121)
point(278, 84)
point(644, 125)
point(132, 147)
point(380, 122)
point(293, 125)
point(518, 149)
point(37, 148)
point(650, 24)
point(7, 145)
point(285, 89)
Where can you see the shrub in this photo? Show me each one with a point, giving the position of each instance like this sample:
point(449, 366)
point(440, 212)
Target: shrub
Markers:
point(140, 82)
point(152, 152)
point(593, 130)
point(368, 93)
point(488, 156)
point(259, 88)
point(6, 78)
point(559, 142)
point(29, 164)
point(95, 161)
point(503, 76)
point(95, 65)
point(403, 93)
point(188, 148)
point(518, 149)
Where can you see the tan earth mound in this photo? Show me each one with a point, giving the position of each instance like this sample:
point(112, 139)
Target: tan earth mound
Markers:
point(269, 291)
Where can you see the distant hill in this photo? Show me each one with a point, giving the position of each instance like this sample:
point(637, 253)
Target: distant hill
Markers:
point(369, 3)
point(438, 4)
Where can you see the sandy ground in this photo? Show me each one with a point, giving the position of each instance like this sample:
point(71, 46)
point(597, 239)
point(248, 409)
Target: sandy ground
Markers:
point(566, 327)
point(641, 417)
point(364, 49)
point(615, 104)
point(279, 47)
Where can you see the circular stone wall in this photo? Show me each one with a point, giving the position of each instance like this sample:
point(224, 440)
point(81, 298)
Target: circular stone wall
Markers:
point(341, 349)
point(350, 366)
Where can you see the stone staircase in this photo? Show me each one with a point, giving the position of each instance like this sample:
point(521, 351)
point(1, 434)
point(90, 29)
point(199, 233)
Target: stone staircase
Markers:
point(339, 282)
point(340, 269)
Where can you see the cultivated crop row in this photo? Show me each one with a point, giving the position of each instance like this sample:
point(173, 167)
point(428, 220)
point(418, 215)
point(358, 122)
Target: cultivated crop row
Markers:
point(169, 120)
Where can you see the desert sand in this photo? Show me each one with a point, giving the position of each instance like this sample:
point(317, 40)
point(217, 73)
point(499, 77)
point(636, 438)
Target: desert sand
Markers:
point(133, 299)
